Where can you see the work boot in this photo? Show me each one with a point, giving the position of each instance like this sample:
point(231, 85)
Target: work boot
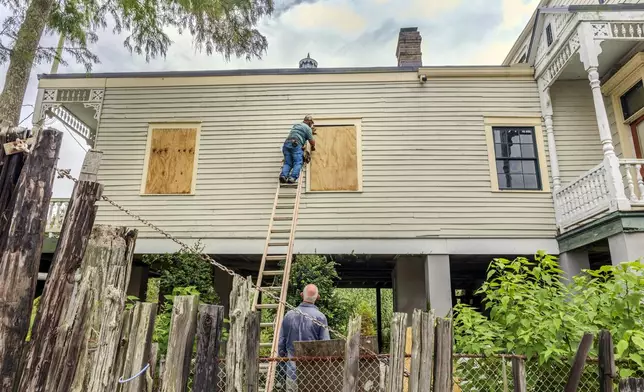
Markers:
point(282, 180)
point(291, 180)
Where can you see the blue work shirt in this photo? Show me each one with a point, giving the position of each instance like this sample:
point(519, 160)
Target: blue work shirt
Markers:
point(301, 132)
point(297, 328)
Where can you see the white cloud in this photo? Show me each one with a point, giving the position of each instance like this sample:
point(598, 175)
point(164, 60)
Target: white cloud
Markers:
point(515, 11)
point(325, 15)
point(428, 8)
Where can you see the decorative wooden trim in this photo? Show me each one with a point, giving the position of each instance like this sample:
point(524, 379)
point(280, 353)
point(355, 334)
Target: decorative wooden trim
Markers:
point(534, 122)
point(630, 74)
point(146, 161)
point(337, 121)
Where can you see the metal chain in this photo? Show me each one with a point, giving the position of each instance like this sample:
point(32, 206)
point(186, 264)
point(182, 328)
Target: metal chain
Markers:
point(65, 173)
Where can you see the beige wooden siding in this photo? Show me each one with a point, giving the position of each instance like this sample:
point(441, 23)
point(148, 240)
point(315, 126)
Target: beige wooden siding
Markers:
point(425, 169)
point(575, 125)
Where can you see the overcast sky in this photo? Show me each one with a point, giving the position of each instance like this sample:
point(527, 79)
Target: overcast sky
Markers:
point(337, 33)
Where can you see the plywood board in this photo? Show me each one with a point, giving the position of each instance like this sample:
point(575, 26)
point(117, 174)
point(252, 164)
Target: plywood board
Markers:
point(171, 161)
point(334, 164)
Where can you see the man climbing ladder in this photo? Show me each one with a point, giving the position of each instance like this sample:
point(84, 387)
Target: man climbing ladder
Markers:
point(275, 266)
point(293, 150)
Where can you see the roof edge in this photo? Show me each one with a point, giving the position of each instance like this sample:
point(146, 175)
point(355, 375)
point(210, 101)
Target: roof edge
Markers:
point(496, 71)
point(234, 72)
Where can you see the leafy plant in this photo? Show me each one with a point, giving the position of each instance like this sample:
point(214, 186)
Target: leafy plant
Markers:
point(320, 271)
point(185, 268)
point(529, 310)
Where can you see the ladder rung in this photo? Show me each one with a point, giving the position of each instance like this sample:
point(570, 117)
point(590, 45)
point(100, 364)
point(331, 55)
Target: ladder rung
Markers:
point(284, 206)
point(272, 288)
point(276, 257)
point(283, 218)
point(294, 186)
point(278, 231)
point(278, 244)
point(273, 273)
point(266, 325)
point(267, 306)
point(266, 345)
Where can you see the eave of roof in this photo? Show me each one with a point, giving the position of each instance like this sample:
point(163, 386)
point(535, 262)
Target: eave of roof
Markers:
point(235, 72)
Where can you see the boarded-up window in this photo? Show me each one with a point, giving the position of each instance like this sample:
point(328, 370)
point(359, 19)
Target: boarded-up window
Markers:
point(334, 164)
point(171, 161)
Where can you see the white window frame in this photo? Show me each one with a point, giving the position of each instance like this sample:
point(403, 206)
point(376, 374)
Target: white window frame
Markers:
point(533, 122)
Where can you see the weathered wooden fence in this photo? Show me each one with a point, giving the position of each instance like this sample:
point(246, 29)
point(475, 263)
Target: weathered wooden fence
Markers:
point(84, 339)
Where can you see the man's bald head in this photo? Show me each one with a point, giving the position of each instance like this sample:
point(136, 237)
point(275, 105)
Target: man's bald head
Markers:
point(310, 293)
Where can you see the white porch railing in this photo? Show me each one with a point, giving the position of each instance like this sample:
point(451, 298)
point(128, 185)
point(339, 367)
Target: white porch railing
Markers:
point(56, 215)
point(589, 195)
point(582, 199)
point(634, 184)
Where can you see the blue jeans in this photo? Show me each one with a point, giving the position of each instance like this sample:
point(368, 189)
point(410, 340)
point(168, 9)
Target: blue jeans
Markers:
point(293, 160)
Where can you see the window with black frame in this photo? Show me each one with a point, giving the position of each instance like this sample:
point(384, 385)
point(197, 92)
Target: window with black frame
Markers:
point(517, 160)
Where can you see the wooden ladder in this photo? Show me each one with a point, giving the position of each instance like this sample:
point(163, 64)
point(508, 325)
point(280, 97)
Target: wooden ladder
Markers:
point(275, 268)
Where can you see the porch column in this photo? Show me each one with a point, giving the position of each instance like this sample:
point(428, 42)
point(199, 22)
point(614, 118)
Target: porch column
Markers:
point(626, 247)
point(546, 112)
point(589, 52)
point(438, 284)
point(409, 285)
point(573, 262)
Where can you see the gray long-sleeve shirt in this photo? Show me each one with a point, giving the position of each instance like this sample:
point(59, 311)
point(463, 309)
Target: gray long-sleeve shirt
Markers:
point(297, 328)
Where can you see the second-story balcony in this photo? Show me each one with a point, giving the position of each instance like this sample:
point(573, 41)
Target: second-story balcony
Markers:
point(592, 196)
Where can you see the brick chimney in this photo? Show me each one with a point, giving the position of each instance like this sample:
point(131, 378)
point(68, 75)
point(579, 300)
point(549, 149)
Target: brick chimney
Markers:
point(408, 50)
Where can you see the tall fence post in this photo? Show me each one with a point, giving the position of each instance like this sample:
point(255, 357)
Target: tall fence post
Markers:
point(92, 329)
point(518, 375)
point(236, 357)
point(20, 249)
point(352, 356)
point(211, 321)
point(55, 299)
point(252, 351)
point(443, 360)
point(397, 363)
point(631, 385)
point(138, 348)
point(607, 370)
point(121, 352)
point(578, 365)
point(422, 351)
point(183, 326)
point(10, 169)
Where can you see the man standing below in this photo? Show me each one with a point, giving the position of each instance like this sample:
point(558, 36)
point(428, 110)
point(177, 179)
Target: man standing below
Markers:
point(293, 150)
point(298, 328)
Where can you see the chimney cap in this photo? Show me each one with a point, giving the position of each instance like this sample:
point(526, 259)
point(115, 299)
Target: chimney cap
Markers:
point(408, 29)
